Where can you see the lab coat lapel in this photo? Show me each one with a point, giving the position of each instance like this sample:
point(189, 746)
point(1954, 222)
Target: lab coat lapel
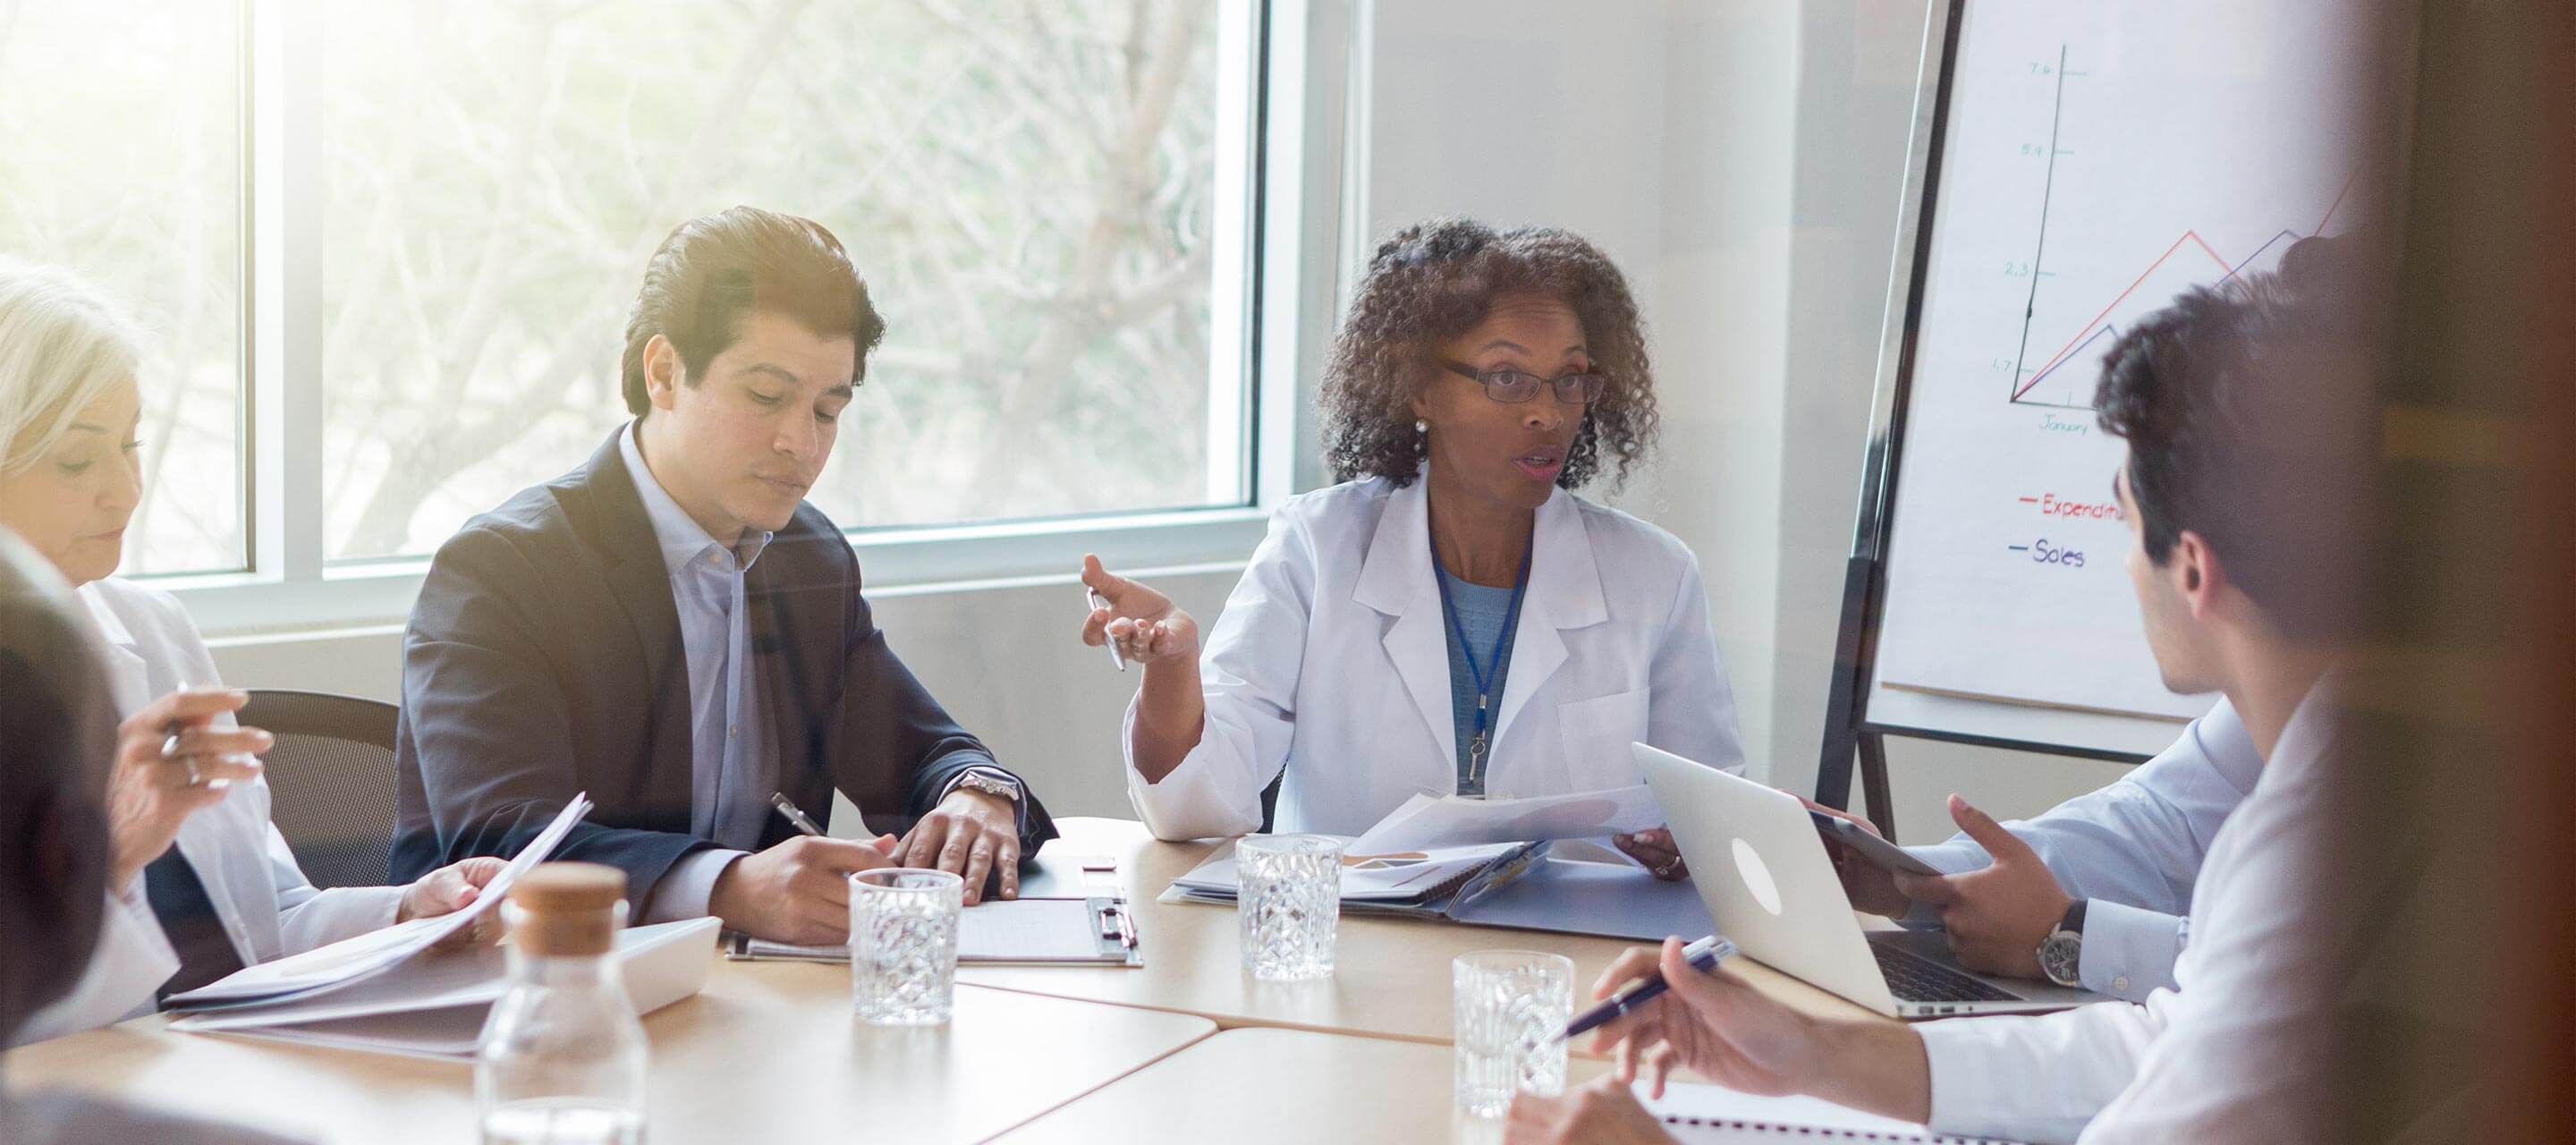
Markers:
point(129, 676)
point(1396, 581)
point(1564, 592)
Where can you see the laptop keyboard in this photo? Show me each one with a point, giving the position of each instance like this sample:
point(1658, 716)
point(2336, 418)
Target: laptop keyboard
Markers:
point(1912, 979)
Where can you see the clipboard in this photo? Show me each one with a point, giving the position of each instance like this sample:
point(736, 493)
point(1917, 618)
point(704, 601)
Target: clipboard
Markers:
point(1096, 931)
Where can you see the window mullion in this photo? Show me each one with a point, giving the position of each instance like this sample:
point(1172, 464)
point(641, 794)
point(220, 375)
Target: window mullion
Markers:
point(286, 193)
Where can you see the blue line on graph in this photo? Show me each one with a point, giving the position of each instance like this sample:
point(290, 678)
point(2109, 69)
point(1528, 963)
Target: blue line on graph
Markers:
point(2258, 252)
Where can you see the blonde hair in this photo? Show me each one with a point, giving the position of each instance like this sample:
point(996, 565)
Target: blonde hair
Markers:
point(63, 342)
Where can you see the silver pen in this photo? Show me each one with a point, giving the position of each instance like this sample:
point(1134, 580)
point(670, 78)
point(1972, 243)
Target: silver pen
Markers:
point(1111, 641)
point(787, 807)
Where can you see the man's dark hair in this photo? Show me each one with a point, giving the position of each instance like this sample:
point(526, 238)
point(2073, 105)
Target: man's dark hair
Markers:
point(57, 731)
point(714, 269)
point(2252, 415)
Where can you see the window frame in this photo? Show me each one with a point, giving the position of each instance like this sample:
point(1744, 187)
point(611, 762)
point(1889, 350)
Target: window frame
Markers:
point(1285, 69)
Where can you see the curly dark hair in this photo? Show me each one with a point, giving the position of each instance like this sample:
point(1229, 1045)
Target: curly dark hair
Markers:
point(1434, 281)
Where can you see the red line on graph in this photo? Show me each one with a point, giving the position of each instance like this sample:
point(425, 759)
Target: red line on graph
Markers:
point(2212, 251)
point(2071, 343)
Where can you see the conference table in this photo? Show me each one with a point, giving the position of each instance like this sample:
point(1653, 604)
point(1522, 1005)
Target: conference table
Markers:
point(1186, 1048)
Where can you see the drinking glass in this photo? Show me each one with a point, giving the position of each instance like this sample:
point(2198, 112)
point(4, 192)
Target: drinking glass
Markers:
point(1290, 905)
point(903, 944)
point(1511, 1005)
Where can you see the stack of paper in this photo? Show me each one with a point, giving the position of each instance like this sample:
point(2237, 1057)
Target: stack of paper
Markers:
point(358, 959)
point(1408, 878)
point(434, 1005)
point(393, 991)
point(1429, 821)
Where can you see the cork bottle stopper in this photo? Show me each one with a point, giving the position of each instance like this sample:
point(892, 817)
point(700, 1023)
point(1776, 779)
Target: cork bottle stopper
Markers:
point(567, 909)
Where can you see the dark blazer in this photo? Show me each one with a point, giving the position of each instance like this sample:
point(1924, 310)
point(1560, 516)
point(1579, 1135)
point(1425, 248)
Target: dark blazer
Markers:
point(544, 659)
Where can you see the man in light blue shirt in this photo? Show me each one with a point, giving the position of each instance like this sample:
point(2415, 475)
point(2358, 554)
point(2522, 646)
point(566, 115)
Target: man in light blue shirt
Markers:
point(2114, 868)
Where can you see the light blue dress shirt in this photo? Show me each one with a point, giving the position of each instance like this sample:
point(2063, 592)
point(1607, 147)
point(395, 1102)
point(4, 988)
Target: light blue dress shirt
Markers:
point(2134, 849)
point(732, 770)
point(1481, 611)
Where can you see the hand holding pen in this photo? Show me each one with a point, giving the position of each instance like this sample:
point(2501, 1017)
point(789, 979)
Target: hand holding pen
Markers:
point(1135, 622)
point(172, 760)
point(1708, 1021)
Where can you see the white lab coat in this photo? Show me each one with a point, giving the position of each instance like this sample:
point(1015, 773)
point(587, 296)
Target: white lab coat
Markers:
point(263, 898)
point(1332, 660)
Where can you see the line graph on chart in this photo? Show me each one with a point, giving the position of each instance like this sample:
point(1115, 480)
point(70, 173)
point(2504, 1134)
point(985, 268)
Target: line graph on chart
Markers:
point(2064, 378)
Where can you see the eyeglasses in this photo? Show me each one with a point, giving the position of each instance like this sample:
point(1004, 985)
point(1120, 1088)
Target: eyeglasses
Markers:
point(1512, 387)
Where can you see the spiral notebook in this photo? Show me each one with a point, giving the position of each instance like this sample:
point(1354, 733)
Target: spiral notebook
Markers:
point(1715, 1115)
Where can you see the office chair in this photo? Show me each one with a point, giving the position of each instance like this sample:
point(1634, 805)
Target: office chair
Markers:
point(330, 781)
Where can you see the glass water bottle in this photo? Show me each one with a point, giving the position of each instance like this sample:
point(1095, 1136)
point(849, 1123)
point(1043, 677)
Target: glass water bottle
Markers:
point(561, 1061)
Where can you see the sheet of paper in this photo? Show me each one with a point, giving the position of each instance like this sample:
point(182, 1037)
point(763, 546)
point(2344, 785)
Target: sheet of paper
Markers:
point(1429, 821)
point(366, 955)
point(1029, 929)
point(1008, 930)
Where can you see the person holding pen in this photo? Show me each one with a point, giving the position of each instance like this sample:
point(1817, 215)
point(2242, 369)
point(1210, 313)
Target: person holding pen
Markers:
point(200, 884)
point(673, 629)
point(1452, 617)
point(2252, 426)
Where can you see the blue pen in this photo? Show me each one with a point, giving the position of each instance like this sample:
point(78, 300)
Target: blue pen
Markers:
point(1703, 954)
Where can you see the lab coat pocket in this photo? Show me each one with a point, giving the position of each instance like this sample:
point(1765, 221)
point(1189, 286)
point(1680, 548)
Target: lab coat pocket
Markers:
point(1596, 734)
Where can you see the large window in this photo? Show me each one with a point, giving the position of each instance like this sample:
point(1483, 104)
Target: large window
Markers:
point(124, 163)
point(1029, 186)
point(386, 250)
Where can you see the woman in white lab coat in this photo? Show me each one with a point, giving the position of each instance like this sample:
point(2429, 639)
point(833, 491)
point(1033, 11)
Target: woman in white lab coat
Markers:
point(1452, 617)
point(188, 811)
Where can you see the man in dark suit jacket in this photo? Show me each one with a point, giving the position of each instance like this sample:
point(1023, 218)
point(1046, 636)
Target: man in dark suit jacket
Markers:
point(671, 629)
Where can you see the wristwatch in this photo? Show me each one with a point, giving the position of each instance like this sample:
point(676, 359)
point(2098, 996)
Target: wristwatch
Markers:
point(2061, 954)
point(990, 782)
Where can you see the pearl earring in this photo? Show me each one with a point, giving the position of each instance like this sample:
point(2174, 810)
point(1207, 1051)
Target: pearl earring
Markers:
point(1421, 427)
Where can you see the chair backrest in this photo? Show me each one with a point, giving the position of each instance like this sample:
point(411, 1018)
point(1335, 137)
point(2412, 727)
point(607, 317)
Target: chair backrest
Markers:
point(330, 781)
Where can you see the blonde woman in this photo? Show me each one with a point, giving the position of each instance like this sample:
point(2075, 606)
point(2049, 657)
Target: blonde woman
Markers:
point(200, 883)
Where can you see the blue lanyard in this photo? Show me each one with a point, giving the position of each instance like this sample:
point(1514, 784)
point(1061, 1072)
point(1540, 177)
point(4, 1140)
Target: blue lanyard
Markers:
point(1480, 746)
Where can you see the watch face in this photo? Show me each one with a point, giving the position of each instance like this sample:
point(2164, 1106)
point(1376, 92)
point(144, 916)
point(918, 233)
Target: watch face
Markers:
point(2060, 956)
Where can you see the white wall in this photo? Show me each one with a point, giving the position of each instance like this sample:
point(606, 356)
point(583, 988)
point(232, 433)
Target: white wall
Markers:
point(1739, 159)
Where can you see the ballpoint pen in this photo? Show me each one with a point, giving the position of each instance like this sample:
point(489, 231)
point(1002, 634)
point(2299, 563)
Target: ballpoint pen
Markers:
point(1703, 954)
point(786, 807)
point(1111, 641)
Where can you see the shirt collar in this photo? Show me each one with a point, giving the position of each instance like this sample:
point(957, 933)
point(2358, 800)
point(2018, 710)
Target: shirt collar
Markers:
point(681, 537)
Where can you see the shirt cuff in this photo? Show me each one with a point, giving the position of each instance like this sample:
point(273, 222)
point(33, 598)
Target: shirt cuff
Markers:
point(2129, 951)
point(686, 887)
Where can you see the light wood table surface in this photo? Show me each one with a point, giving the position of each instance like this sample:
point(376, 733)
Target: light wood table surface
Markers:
point(1258, 1086)
point(1390, 977)
point(770, 1052)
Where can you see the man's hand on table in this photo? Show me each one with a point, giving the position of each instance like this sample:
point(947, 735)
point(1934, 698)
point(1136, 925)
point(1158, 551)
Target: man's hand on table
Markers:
point(972, 833)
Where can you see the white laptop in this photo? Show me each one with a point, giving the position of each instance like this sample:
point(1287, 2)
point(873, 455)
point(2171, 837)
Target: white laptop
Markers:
point(1764, 874)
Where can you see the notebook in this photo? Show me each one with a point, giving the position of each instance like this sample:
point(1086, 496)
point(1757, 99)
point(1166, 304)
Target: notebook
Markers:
point(1716, 1115)
point(1005, 932)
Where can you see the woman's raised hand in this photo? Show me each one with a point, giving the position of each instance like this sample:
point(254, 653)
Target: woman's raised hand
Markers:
point(171, 762)
point(1140, 621)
